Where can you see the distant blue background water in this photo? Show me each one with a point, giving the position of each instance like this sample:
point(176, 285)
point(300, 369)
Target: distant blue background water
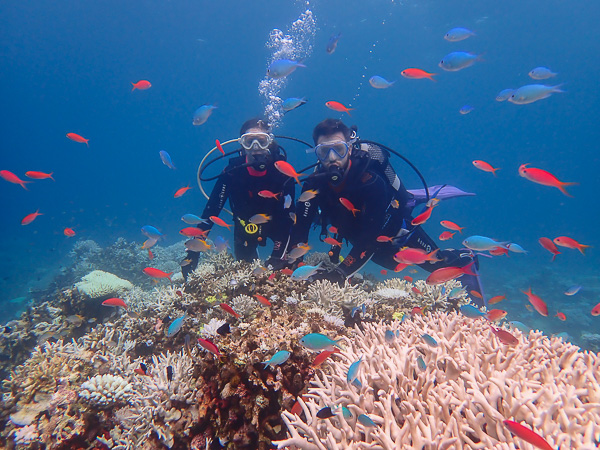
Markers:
point(67, 67)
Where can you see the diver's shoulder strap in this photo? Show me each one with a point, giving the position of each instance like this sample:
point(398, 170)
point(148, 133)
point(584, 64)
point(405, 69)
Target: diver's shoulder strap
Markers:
point(381, 159)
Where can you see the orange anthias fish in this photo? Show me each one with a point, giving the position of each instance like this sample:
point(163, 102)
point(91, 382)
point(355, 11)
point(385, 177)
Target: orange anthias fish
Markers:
point(349, 206)
point(550, 246)
point(383, 272)
point(545, 178)
point(409, 255)
point(220, 222)
point(561, 316)
point(228, 309)
point(287, 271)
point(417, 74)
point(268, 194)
point(150, 255)
point(287, 169)
point(425, 215)
point(157, 273)
point(219, 146)
point(39, 175)
point(191, 232)
point(504, 336)
point(494, 315)
point(498, 251)
point(142, 85)
point(12, 178)
point(596, 310)
point(568, 242)
point(416, 290)
point(486, 167)
point(263, 300)
point(332, 229)
point(446, 235)
point(408, 278)
point(332, 241)
point(384, 239)
point(477, 294)
point(69, 232)
point(400, 267)
point(444, 274)
point(30, 217)
point(77, 138)
point(321, 357)
point(337, 106)
point(496, 299)
point(539, 304)
point(417, 310)
point(527, 434)
point(181, 191)
point(115, 302)
point(451, 226)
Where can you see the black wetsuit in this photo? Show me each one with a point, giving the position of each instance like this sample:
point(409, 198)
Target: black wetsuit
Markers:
point(241, 185)
point(383, 210)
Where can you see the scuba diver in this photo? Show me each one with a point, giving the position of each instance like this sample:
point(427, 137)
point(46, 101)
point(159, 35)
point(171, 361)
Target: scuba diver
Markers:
point(358, 192)
point(259, 197)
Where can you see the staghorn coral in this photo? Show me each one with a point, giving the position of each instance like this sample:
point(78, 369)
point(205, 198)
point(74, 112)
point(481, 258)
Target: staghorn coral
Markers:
point(470, 384)
point(332, 297)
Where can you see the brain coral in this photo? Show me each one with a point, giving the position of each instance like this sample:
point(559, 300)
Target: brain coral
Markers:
point(452, 395)
point(99, 284)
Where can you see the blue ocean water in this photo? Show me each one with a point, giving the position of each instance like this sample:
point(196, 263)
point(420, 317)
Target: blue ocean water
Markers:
point(68, 67)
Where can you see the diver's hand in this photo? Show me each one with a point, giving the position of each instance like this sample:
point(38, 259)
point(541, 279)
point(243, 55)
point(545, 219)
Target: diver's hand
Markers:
point(186, 269)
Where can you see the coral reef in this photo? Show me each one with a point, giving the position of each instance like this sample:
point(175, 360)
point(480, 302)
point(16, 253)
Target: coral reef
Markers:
point(104, 391)
point(466, 385)
point(100, 284)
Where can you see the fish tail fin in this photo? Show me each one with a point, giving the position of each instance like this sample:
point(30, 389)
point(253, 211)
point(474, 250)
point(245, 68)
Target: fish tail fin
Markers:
point(494, 171)
point(348, 111)
point(87, 142)
point(460, 229)
point(582, 247)
point(169, 275)
point(433, 257)
point(431, 75)
point(337, 344)
point(50, 176)
point(562, 189)
point(554, 256)
point(467, 269)
point(558, 89)
point(133, 88)
point(23, 182)
point(297, 180)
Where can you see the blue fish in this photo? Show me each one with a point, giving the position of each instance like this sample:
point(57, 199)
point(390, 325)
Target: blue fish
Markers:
point(221, 244)
point(333, 42)
point(429, 340)
point(455, 61)
point(573, 290)
point(379, 82)
point(151, 232)
point(504, 95)
point(287, 201)
point(443, 290)
point(202, 114)
point(292, 103)
point(482, 243)
point(541, 73)
point(305, 272)
point(357, 384)
point(465, 109)
point(458, 34)
point(346, 413)
point(191, 219)
point(319, 342)
point(277, 359)
point(456, 292)
point(421, 363)
point(520, 326)
point(282, 68)
point(362, 308)
point(516, 248)
point(166, 159)
point(532, 93)
point(365, 420)
point(389, 336)
point(353, 371)
point(176, 326)
point(471, 311)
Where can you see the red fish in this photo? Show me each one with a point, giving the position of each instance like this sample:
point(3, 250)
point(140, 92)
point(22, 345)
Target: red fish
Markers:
point(193, 232)
point(272, 276)
point(287, 271)
point(219, 146)
point(498, 251)
point(400, 267)
point(494, 315)
point(527, 434)
point(181, 191)
point(220, 222)
point(550, 246)
point(287, 169)
point(444, 274)
point(417, 310)
point(409, 255)
point(540, 176)
point(561, 316)
point(416, 290)
point(568, 242)
point(30, 217)
point(69, 232)
point(150, 255)
point(142, 85)
point(446, 235)
point(337, 106)
point(207, 344)
point(77, 138)
point(384, 239)
point(539, 304)
point(140, 371)
point(228, 309)
point(268, 194)
point(12, 178)
point(39, 175)
point(408, 278)
point(451, 226)
point(496, 299)
point(425, 215)
point(321, 357)
point(115, 302)
point(349, 206)
point(417, 74)
point(332, 241)
point(332, 229)
point(596, 310)
point(476, 294)
point(383, 272)
point(157, 273)
point(504, 336)
point(264, 300)
point(486, 167)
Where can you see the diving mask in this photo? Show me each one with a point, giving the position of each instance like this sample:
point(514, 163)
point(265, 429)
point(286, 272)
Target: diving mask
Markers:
point(339, 148)
point(256, 141)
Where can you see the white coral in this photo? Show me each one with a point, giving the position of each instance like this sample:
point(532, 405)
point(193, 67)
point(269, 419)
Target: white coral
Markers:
point(210, 329)
point(106, 390)
point(98, 283)
point(26, 435)
point(391, 293)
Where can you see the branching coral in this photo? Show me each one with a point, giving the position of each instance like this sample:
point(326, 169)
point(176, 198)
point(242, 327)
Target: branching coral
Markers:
point(471, 382)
